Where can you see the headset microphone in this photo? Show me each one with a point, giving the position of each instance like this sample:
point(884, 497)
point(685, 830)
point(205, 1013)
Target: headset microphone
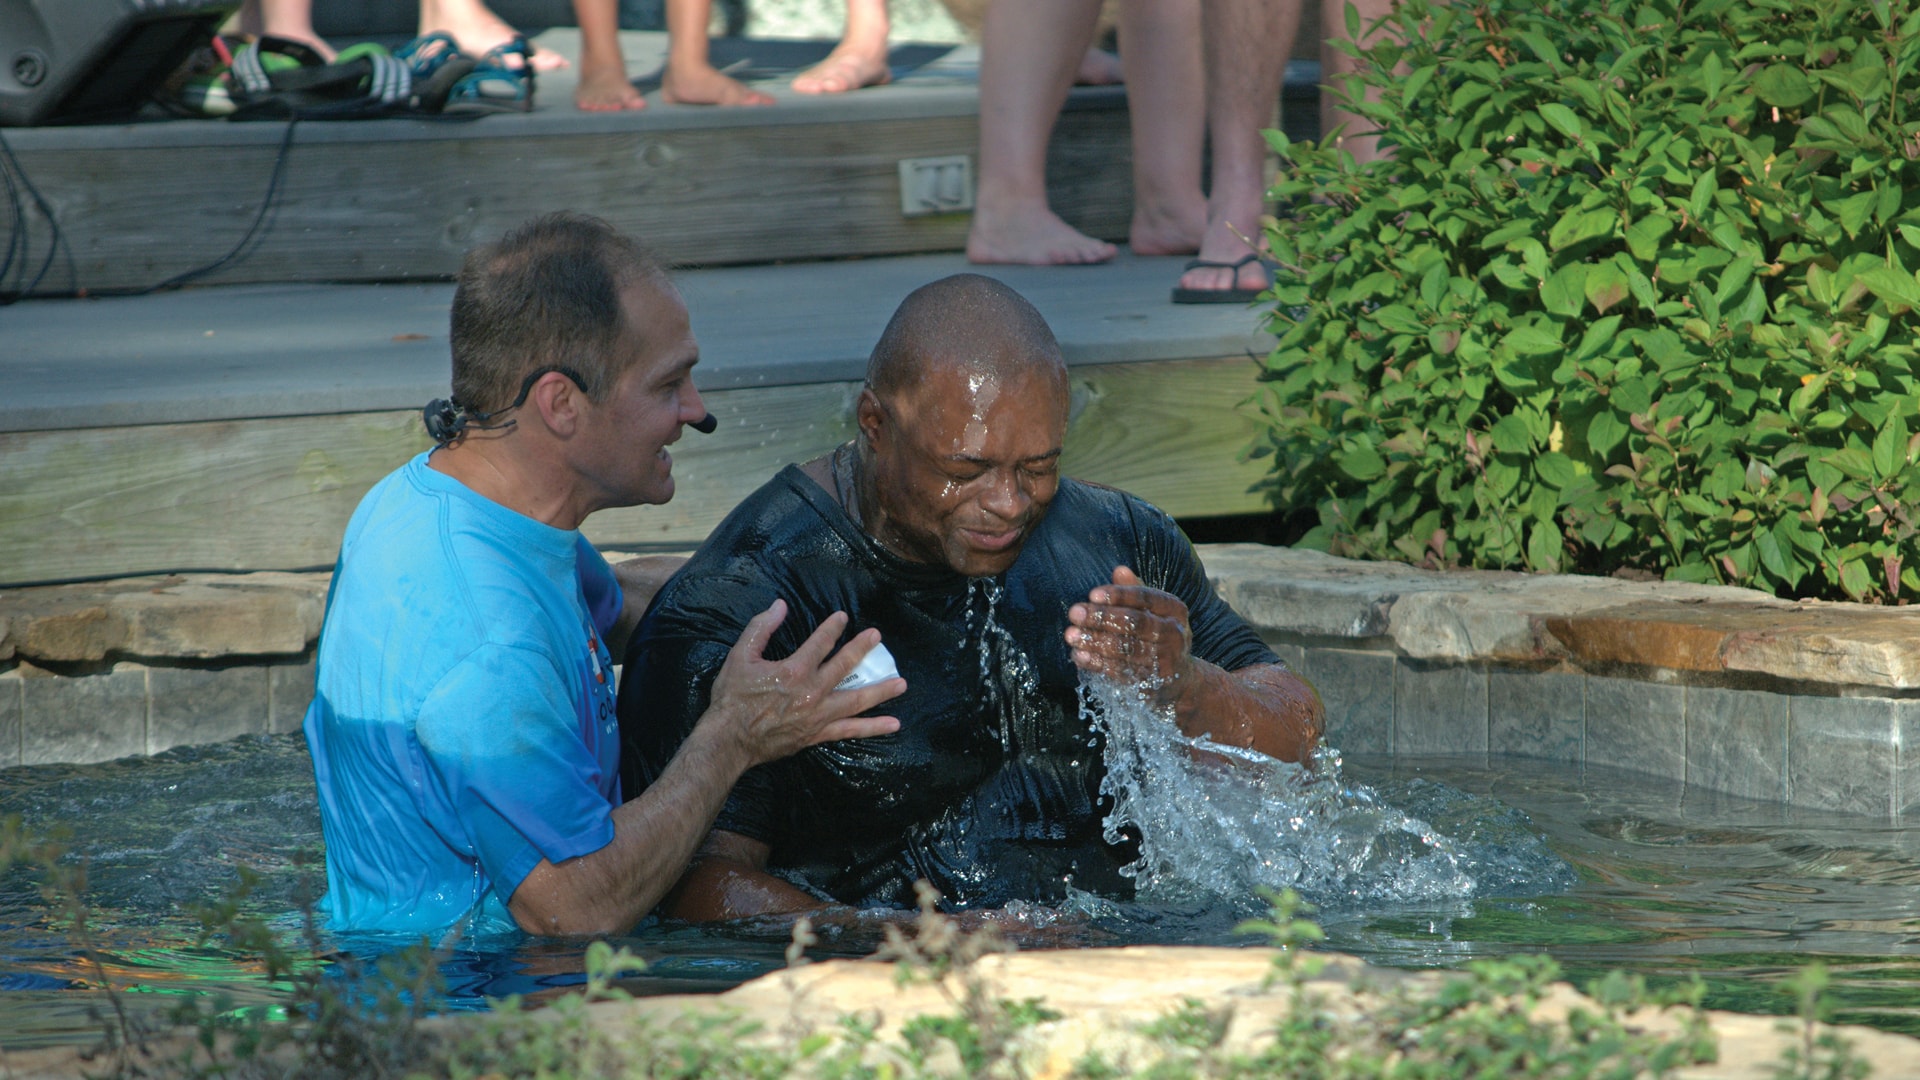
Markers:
point(706, 425)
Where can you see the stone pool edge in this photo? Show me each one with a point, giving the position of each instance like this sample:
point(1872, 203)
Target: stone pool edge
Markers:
point(1814, 704)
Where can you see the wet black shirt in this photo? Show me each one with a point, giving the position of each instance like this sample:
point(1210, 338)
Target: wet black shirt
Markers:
point(991, 787)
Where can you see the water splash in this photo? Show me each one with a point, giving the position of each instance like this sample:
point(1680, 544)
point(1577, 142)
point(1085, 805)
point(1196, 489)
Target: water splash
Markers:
point(1009, 685)
point(1216, 821)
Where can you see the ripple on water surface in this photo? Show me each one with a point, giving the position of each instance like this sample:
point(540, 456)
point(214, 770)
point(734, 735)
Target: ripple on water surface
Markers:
point(1419, 861)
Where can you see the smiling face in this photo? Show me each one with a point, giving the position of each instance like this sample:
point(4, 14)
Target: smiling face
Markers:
point(622, 448)
point(962, 465)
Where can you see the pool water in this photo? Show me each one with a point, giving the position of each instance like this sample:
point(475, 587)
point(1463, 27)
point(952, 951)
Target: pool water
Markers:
point(1620, 871)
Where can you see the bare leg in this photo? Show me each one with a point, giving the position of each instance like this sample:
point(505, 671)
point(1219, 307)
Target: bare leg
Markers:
point(1246, 44)
point(860, 60)
point(1334, 64)
point(1166, 100)
point(1028, 53)
point(290, 19)
point(1098, 67)
point(477, 30)
point(690, 78)
point(604, 86)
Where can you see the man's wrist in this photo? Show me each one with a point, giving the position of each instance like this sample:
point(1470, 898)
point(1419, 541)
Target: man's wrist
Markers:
point(721, 737)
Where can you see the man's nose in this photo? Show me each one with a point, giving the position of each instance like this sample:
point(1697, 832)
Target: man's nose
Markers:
point(692, 408)
point(1004, 497)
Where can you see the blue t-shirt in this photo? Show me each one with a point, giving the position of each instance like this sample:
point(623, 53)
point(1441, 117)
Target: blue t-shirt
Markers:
point(462, 724)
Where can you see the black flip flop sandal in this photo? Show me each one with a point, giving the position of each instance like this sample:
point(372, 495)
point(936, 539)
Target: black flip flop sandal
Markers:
point(1220, 296)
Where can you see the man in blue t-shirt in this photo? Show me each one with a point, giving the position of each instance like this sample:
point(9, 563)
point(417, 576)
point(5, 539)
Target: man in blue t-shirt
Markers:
point(463, 730)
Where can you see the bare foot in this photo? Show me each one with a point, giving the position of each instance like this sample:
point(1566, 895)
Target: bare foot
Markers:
point(606, 89)
point(276, 18)
point(311, 40)
point(1033, 236)
point(478, 31)
point(1223, 244)
point(847, 67)
point(1168, 232)
point(1099, 68)
point(706, 85)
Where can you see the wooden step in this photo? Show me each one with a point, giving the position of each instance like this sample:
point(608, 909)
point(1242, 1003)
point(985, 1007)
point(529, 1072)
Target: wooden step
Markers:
point(235, 429)
point(392, 200)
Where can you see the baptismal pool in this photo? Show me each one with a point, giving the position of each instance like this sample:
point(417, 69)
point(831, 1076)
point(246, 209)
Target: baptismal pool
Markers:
point(1600, 869)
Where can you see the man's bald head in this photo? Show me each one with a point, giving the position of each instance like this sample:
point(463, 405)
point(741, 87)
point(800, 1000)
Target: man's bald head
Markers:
point(962, 426)
point(967, 322)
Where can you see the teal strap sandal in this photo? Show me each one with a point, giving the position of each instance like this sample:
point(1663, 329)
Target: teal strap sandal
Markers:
point(500, 81)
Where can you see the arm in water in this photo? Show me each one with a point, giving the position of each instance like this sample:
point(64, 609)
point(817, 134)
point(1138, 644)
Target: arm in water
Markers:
point(762, 710)
point(1133, 633)
point(729, 880)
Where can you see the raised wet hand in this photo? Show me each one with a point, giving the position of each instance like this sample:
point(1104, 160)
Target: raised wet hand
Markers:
point(780, 707)
point(1133, 633)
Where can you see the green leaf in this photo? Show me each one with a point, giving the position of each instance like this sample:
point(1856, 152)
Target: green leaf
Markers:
point(1362, 463)
point(1696, 505)
point(1713, 75)
point(1772, 557)
point(1644, 235)
point(1564, 291)
point(1544, 545)
point(1896, 287)
point(1542, 48)
point(1532, 341)
point(1580, 226)
point(1555, 468)
point(1783, 85)
point(1854, 463)
point(1564, 120)
point(1632, 396)
point(1702, 196)
point(1510, 435)
point(1598, 335)
point(1854, 211)
point(1606, 286)
point(1416, 82)
point(1604, 432)
point(1890, 449)
point(1856, 579)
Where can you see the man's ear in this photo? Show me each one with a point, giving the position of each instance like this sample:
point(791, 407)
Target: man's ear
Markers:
point(558, 402)
point(871, 418)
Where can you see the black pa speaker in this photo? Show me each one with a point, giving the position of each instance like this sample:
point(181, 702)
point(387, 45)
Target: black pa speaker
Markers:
point(63, 61)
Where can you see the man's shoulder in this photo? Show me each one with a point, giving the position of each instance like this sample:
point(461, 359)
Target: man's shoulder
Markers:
point(1098, 510)
point(766, 529)
point(417, 560)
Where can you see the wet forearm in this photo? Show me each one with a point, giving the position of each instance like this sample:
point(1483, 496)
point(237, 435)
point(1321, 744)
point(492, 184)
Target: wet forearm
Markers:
point(654, 836)
point(717, 889)
point(1264, 707)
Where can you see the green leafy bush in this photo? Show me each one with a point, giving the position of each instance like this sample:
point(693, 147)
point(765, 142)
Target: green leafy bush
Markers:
point(1636, 290)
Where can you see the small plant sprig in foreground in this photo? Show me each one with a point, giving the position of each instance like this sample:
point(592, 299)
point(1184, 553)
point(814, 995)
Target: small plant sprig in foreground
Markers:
point(1818, 1054)
point(1477, 1026)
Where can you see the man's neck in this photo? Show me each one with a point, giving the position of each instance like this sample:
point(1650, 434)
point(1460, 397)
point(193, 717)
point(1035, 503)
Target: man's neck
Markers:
point(840, 475)
point(495, 472)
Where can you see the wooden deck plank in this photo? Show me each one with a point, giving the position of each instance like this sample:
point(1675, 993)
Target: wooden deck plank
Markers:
point(294, 350)
point(275, 493)
point(389, 200)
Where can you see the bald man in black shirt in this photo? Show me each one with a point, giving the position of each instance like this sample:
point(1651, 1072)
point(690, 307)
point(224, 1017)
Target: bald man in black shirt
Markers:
point(994, 584)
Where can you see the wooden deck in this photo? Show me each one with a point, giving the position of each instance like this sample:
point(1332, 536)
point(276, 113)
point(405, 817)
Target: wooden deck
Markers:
point(387, 200)
point(236, 428)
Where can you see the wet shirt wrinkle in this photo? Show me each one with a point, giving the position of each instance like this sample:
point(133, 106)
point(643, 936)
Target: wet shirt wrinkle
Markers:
point(991, 787)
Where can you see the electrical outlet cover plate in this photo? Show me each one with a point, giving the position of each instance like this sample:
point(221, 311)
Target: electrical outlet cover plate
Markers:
point(936, 185)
